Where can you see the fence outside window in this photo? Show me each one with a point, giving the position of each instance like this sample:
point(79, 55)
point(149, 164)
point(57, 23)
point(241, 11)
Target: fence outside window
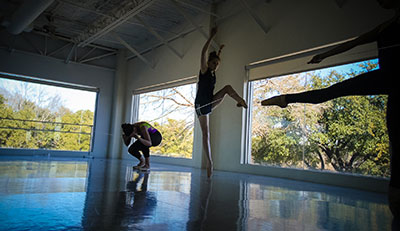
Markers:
point(35, 134)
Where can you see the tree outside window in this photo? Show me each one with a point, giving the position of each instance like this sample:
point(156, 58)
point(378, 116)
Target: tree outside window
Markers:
point(40, 116)
point(171, 111)
point(346, 134)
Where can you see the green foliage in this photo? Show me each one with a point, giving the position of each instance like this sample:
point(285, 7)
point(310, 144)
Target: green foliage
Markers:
point(177, 139)
point(31, 120)
point(345, 134)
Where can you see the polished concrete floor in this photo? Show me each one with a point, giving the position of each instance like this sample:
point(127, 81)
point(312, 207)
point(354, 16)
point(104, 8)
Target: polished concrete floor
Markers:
point(62, 194)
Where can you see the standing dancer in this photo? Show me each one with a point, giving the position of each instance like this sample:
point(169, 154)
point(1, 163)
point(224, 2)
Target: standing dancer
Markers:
point(382, 81)
point(206, 100)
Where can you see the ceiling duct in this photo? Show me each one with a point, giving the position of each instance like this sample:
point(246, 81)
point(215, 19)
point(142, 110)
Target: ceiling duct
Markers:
point(26, 14)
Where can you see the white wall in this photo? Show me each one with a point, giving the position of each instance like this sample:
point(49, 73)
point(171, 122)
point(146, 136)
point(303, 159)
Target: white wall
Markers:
point(294, 26)
point(53, 69)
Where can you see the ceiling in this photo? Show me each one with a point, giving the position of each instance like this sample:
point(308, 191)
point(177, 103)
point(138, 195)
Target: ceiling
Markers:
point(92, 31)
point(106, 25)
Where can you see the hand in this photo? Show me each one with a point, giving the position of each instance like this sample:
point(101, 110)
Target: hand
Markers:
point(220, 49)
point(134, 135)
point(316, 59)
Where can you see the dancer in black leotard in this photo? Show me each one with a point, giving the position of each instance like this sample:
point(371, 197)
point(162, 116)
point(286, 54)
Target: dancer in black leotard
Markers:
point(382, 81)
point(206, 100)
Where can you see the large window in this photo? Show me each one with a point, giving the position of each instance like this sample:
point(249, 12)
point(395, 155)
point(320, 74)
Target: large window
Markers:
point(346, 134)
point(42, 116)
point(171, 111)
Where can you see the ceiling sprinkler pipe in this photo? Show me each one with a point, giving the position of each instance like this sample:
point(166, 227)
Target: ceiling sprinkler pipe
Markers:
point(26, 14)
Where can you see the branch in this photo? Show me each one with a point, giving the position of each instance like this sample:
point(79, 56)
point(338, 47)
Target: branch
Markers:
point(181, 95)
point(163, 115)
point(173, 100)
point(322, 160)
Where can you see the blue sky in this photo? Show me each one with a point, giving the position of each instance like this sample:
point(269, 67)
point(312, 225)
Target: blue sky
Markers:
point(344, 68)
point(71, 98)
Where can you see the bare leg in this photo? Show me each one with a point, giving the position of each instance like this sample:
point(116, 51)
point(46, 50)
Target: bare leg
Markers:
point(279, 100)
point(204, 124)
point(134, 150)
point(147, 162)
point(228, 90)
point(141, 163)
point(370, 83)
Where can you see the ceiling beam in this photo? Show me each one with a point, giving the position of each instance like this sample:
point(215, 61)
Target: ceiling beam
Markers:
point(58, 50)
point(219, 20)
point(11, 50)
point(66, 61)
point(87, 53)
point(31, 43)
point(83, 8)
point(160, 44)
point(98, 57)
point(96, 11)
point(255, 16)
point(198, 8)
point(63, 38)
point(105, 25)
point(45, 46)
point(158, 36)
point(129, 47)
point(191, 21)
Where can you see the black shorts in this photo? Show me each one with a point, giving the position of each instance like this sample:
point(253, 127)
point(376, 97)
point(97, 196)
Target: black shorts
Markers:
point(155, 138)
point(203, 110)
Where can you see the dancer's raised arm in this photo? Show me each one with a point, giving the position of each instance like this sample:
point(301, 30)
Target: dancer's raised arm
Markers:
point(365, 38)
point(204, 51)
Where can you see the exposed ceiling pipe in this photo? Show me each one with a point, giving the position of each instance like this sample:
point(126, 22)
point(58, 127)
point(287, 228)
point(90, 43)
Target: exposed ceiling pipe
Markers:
point(26, 14)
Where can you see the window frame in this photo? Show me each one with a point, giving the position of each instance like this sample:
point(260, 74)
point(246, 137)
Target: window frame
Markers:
point(158, 87)
point(358, 54)
point(247, 151)
point(31, 79)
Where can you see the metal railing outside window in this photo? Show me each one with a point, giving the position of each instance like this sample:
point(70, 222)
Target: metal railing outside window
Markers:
point(35, 134)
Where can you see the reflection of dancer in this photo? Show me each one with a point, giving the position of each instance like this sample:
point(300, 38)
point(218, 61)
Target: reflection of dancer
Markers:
point(142, 202)
point(375, 82)
point(206, 202)
point(146, 136)
point(132, 186)
point(200, 220)
point(206, 100)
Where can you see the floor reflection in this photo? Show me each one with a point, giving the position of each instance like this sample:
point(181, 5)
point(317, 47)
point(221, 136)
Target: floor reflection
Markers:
point(110, 195)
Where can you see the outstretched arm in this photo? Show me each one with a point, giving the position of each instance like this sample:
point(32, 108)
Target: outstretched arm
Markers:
point(368, 37)
point(204, 51)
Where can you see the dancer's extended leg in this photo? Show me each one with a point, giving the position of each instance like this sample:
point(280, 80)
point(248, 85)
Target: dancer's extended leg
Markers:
point(228, 90)
point(370, 83)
